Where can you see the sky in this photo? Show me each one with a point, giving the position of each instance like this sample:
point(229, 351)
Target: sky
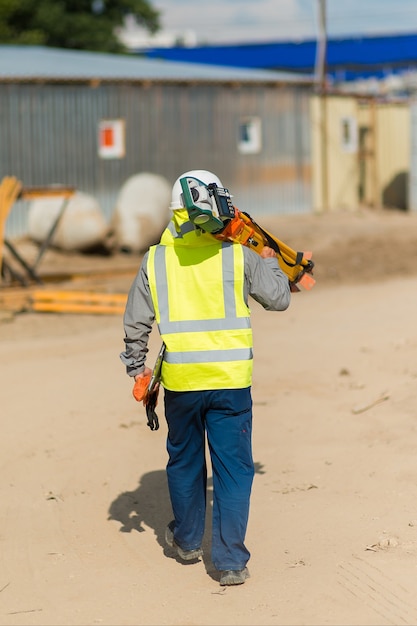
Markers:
point(235, 21)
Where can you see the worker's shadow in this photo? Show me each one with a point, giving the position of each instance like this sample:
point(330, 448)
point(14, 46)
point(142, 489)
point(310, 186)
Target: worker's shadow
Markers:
point(149, 505)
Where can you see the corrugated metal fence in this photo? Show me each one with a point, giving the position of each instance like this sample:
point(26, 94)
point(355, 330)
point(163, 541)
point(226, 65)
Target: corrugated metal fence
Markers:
point(49, 135)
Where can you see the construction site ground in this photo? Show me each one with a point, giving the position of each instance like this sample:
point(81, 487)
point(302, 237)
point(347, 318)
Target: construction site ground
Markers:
point(333, 523)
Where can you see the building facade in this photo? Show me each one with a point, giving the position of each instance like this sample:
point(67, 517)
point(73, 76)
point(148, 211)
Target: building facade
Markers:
point(93, 120)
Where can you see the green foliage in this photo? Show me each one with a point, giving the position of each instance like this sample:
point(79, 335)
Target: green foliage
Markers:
point(75, 24)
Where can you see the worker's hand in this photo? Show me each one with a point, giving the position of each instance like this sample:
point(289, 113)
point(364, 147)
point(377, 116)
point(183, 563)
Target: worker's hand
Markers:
point(146, 372)
point(267, 253)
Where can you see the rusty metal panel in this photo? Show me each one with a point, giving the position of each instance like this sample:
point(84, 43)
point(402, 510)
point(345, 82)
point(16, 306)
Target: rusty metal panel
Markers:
point(49, 134)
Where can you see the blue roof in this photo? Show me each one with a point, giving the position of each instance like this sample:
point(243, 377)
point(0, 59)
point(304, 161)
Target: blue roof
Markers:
point(31, 63)
point(347, 58)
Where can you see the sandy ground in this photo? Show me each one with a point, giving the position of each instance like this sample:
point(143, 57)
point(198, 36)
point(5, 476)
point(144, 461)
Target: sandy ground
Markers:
point(333, 525)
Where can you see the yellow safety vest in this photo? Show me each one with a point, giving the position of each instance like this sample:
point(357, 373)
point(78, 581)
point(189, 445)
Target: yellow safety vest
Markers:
point(197, 287)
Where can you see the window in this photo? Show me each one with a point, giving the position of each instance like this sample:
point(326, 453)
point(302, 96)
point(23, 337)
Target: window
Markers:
point(250, 136)
point(349, 134)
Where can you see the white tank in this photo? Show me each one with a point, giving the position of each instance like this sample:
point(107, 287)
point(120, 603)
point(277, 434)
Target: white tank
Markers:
point(82, 225)
point(141, 212)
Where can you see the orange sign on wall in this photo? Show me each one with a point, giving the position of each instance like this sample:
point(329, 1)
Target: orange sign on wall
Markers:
point(111, 139)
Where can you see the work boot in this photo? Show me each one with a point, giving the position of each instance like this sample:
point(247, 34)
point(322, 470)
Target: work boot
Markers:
point(185, 555)
point(234, 577)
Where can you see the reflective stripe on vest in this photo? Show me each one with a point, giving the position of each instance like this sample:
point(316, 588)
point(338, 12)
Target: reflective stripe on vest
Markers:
point(202, 316)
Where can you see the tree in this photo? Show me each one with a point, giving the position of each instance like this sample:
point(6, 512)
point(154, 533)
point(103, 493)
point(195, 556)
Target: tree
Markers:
point(74, 24)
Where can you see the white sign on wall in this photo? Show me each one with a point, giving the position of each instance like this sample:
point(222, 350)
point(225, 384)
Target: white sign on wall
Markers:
point(111, 139)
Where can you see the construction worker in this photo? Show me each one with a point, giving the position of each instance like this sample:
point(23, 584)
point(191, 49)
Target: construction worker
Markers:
point(196, 288)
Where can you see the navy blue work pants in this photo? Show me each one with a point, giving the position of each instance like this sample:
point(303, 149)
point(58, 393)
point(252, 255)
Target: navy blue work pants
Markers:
point(226, 417)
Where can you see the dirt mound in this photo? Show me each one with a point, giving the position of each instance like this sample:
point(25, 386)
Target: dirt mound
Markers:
point(353, 247)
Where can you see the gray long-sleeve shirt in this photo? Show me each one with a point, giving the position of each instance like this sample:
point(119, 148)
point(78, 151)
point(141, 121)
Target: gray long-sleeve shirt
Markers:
point(265, 282)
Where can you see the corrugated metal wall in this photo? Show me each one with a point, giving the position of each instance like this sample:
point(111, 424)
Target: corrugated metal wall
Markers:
point(48, 135)
point(413, 157)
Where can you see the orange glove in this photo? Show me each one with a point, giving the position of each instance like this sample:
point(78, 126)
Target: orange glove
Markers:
point(140, 387)
point(150, 401)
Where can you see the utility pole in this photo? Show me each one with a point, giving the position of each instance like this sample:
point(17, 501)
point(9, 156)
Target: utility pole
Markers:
point(321, 48)
point(321, 88)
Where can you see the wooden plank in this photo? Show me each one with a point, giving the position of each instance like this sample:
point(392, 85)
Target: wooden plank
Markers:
point(16, 300)
point(31, 193)
point(73, 307)
point(80, 296)
point(61, 301)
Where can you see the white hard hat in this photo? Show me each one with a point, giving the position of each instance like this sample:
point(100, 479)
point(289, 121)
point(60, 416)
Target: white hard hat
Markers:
point(206, 177)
